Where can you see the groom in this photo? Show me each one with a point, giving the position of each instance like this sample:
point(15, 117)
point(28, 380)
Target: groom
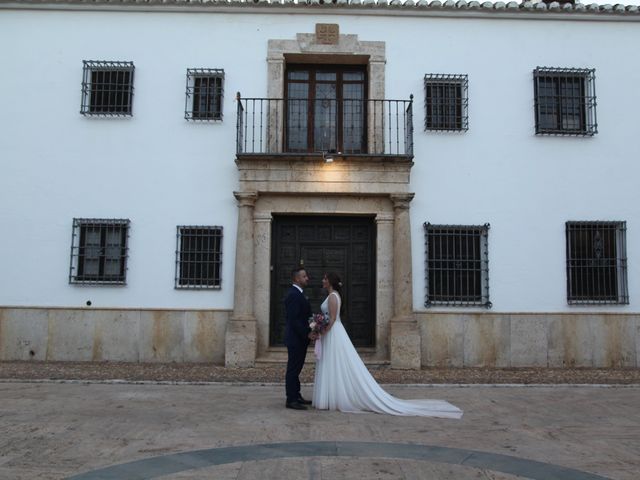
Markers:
point(296, 336)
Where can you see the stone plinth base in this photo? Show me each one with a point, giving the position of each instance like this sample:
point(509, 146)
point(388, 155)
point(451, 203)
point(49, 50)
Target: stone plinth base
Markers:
point(114, 335)
point(240, 343)
point(405, 344)
point(512, 340)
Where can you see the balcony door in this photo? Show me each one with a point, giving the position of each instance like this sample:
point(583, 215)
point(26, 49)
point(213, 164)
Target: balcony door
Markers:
point(326, 108)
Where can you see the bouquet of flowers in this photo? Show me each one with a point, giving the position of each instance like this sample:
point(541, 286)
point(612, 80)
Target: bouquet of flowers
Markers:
point(318, 323)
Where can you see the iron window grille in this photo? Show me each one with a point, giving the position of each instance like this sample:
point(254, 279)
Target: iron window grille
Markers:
point(205, 91)
point(457, 265)
point(565, 101)
point(107, 88)
point(446, 102)
point(596, 263)
point(198, 257)
point(99, 251)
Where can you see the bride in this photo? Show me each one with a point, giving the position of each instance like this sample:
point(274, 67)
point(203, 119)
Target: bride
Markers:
point(342, 381)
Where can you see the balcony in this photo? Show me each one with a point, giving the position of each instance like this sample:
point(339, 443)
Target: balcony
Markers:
point(349, 128)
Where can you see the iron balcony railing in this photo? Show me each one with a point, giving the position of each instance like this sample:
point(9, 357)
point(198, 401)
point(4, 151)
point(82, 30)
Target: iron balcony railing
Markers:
point(277, 126)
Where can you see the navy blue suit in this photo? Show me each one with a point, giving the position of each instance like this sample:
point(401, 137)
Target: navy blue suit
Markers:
point(296, 338)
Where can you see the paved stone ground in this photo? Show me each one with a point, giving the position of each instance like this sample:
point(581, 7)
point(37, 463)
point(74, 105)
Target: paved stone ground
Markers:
point(198, 373)
point(57, 430)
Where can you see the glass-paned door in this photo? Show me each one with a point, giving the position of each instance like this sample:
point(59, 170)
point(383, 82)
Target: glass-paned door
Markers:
point(326, 109)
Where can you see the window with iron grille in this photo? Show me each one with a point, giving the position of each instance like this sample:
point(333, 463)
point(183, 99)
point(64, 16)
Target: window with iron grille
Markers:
point(457, 270)
point(99, 251)
point(205, 90)
point(565, 101)
point(446, 101)
point(198, 257)
point(107, 88)
point(596, 263)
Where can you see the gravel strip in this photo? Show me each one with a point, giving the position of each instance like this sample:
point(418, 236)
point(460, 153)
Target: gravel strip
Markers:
point(204, 373)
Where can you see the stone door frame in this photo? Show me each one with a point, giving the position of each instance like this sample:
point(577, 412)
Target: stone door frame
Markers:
point(268, 205)
point(397, 333)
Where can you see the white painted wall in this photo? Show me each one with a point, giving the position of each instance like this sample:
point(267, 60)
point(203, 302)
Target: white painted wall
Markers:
point(528, 186)
point(160, 171)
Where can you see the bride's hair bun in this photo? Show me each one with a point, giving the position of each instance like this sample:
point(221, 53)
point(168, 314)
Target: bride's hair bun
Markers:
point(335, 280)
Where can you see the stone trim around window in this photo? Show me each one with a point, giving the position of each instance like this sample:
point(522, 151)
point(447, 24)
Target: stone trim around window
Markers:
point(348, 50)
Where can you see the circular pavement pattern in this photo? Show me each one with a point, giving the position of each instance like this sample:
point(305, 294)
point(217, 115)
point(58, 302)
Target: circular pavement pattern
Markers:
point(168, 464)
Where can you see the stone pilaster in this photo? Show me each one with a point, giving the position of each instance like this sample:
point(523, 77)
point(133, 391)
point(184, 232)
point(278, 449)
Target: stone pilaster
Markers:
point(376, 92)
point(262, 280)
point(405, 345)
point(384, 282)
point(240, 339)
point(275, 86)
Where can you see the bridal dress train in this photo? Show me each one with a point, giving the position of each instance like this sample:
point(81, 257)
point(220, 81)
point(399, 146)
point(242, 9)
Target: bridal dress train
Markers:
point(342, 381)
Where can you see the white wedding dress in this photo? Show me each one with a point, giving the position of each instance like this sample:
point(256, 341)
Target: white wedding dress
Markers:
point(342, 381)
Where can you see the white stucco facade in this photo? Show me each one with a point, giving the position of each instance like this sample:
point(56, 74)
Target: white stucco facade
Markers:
point(160, 171)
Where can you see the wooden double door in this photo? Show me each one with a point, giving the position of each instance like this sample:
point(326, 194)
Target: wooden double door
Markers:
point(345, 245)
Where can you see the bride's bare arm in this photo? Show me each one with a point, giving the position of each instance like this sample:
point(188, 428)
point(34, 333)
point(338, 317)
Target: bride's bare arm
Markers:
point(333, 311)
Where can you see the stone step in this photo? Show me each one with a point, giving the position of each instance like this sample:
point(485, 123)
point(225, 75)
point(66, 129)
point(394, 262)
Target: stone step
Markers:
point(279, 357)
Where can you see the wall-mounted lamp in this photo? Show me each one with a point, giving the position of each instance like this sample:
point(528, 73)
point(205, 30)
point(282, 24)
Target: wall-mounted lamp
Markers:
point(328, 158)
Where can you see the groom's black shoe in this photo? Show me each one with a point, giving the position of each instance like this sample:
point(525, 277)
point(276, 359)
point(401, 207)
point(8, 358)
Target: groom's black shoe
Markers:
point(296, 405)
point(304, 402)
